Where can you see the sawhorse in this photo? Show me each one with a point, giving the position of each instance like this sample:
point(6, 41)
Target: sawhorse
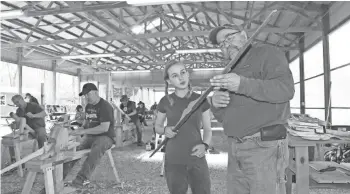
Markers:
point(8, 141)
point(54, 168)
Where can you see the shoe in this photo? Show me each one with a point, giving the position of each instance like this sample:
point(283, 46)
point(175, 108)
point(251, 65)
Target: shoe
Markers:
point(140, 144)
point(42, 191)
point(80, 182)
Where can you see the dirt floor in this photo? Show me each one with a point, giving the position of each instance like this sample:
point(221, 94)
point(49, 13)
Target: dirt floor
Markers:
point(140, 174)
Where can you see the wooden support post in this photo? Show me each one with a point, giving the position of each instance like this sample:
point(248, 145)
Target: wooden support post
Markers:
point(79, 83)
point(133, 98)
point(58, 174)
point(148, 99)
point(111, 160)
point(302, 74)
point(17, 147)
point(302, 170)
point(29, 182)
point(42, 94)
point(141, 94)
point(20, 70)
point(154, 96)
point(326, 61)
point(289, 172)
point(109, 88)
point(49, 183)
point(54, 83)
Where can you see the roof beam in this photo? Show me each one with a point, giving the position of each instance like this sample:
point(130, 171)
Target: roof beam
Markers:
point(109, 26)
point(220, 11)
point(157, 64)
point(118, 36)
point(68, 9)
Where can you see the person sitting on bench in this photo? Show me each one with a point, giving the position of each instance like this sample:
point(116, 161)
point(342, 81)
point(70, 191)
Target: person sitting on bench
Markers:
point(79, 116)
point(98, 131)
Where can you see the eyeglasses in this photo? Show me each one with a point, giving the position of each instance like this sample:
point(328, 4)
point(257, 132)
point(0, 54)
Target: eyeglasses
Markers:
point(227, 39)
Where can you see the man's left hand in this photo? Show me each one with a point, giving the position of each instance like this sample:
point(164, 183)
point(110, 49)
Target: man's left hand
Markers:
point(228, 81)
point(198, 150)
point(78, 131)
point(30, 115)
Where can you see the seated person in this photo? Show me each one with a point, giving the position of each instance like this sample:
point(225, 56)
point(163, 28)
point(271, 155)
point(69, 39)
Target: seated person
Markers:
point(79, 116)
point(98, 131)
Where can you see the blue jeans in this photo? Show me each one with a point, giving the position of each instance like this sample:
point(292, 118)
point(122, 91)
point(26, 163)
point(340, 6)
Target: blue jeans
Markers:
point(257, 167)
point(98, 145)
point(179, 176)
point(138, 130)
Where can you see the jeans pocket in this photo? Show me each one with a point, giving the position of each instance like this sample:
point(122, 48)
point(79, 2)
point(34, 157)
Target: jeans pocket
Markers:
point(265, 144)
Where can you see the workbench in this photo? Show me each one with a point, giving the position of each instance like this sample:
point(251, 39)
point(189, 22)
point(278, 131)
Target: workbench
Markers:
point(8, 141)
point(300, 166)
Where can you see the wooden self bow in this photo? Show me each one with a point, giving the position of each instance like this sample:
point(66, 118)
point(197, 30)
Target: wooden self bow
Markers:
point(194, 105)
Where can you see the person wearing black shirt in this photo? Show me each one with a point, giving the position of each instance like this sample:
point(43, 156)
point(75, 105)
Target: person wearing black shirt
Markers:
point(154, 106)
point(98, 131)
point(31, 98)
point(141, 111)
point(129, 108)
point(34, 115)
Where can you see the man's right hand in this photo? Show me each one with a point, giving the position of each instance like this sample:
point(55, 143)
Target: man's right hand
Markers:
point(169, 133)
point(220, 99)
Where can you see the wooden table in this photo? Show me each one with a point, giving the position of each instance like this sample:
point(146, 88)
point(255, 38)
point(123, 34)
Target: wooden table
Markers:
point(8, 141)
point(298, 148)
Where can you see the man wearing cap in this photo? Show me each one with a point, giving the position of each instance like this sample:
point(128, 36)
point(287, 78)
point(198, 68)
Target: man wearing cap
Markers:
point(98, 131)
point(129, 108)
point(253, 105)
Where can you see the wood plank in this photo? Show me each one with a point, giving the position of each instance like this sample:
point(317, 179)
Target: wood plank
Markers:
point(17, 148)
point(314, 185)
point(290, 172)
point(298, 141)
point(302, 170)
point(68, 9)
point(29, 182)
point(337, 176)
point(48, 178)
point(111, 160)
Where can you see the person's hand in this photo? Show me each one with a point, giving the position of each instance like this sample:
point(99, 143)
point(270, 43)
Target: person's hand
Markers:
point(13, 125)
point(220, 99)
point(169, 133)
point(78, 131)
point(30, 115)
point(228, 81)
point(198, 150)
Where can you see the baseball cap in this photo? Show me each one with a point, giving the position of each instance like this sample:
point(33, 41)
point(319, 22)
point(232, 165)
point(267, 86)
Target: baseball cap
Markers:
point(215, 31)
point(123, 98)
point(87, 88)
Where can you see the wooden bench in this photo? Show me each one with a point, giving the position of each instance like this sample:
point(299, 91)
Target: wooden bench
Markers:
point(8, 141)
point(47, 166)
